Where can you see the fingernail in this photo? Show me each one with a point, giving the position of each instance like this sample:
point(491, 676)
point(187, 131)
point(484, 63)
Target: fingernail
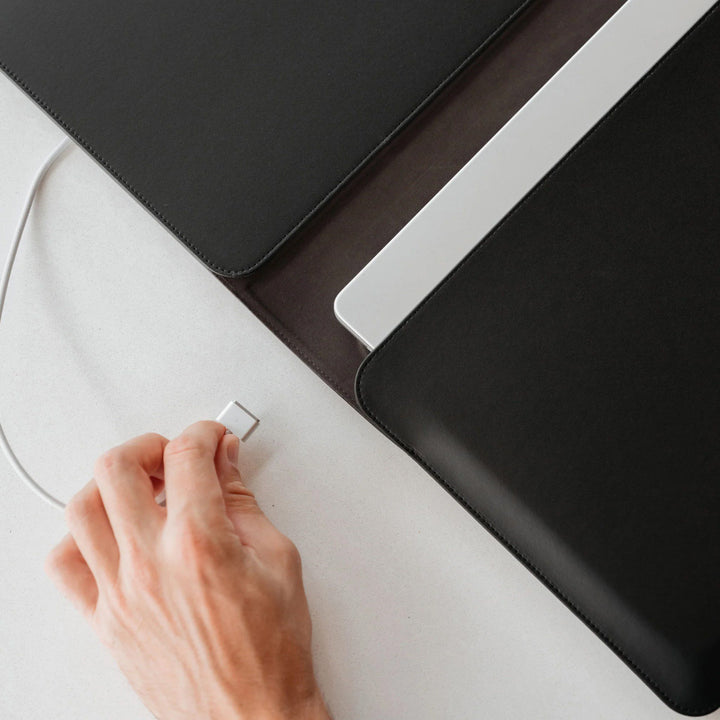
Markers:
point(233, 450)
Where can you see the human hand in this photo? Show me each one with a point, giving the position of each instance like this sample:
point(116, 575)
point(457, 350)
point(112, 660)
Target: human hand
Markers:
point(200, 602)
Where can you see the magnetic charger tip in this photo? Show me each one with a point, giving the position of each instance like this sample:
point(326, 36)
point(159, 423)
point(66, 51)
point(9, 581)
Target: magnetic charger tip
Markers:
point(238, 420)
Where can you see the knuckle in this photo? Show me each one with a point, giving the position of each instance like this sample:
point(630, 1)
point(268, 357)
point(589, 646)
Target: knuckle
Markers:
point(239, 497)
point(79, 509)
point(236, 488)
point(207, 427)
point(113, 461)
point(289, 552)
point(55, 561)
point(184, 446)
point(155, 437)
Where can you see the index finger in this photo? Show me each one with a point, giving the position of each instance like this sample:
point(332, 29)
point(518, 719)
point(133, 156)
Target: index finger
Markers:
point(191, 479)
point(124, 479)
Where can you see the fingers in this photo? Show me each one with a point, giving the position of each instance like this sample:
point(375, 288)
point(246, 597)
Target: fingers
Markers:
point(124, 477)
point(191, 480)
point(68, 570)
point(89, 526)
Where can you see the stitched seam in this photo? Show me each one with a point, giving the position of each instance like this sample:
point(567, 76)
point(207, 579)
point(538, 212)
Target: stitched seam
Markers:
point(227, 272)
point(95, 154)
point(417, 455)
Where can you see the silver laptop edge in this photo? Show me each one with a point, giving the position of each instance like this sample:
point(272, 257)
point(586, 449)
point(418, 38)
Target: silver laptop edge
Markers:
point(416, 260)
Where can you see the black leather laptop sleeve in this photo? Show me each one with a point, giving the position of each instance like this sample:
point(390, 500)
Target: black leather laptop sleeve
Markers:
point(563, 383)
point(234, 122)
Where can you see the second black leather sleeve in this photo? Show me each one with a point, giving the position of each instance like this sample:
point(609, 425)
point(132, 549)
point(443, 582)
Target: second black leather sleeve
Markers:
point(563, 383)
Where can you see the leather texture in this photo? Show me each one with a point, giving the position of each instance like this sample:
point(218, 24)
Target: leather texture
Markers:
point(234, 122)
point(563, 383)
point(293, 292)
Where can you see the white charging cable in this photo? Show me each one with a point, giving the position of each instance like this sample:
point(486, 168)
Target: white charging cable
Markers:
point(4, 282)
point(235, 417)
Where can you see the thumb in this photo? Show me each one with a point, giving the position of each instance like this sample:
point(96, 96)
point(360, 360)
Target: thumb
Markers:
point(240, 503)
point(253, 528)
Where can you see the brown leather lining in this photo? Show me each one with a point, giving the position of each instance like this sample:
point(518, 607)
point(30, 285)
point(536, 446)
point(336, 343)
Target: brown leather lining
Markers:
point(293, 292)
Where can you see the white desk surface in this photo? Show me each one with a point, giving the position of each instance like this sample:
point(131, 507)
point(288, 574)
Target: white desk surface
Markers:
point(113, 329)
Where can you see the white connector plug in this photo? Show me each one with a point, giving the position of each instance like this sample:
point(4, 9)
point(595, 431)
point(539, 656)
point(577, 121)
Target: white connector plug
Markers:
point(238, 420)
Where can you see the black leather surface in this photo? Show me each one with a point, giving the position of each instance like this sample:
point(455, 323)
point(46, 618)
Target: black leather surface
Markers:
point(564, 382)
point(233, 122)
point(293, 292)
